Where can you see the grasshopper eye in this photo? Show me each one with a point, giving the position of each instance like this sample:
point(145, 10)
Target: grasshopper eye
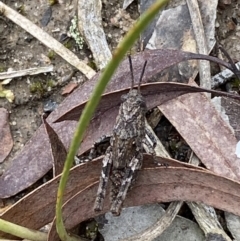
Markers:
point(124, 97)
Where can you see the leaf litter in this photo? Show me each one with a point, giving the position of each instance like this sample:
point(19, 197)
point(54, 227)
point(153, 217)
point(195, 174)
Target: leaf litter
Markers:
point(157, 185)
point(51, 200)
point(41, 213)
point(210, 138)
point(37, 150)
point(185, 27)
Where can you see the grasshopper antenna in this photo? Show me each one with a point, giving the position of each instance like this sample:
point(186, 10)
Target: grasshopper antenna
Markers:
point(131, 70)
point(141, 76)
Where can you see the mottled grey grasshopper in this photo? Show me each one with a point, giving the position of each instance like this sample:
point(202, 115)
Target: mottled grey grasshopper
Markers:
point(124, 156)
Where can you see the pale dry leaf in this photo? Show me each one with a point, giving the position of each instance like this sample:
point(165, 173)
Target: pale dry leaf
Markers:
point(211, 139)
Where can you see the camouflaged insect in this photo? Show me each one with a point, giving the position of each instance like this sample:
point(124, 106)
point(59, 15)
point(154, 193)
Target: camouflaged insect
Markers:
point(124, 156)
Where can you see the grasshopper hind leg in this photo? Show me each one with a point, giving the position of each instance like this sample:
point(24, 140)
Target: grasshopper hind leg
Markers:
point(102, 188)
point(127, 180)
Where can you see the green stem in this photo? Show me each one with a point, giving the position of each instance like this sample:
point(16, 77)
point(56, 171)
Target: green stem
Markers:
point(22, 232)
point(88, 111)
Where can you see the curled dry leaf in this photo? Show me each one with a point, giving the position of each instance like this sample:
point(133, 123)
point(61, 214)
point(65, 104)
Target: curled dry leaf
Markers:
point(36, 155)
point(158, 185)
point(155, 94)
point(37, 212)
point(6, 142)
point(58, 150)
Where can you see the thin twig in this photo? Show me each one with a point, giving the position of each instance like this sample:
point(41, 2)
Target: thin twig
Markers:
point(207, 220)
point(24, 72)
point(162, 224)
point(204, 66)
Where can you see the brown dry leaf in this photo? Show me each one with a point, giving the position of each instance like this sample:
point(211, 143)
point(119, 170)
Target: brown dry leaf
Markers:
point(38, 212)
point(158, 185)
point(58, 150)
point(69, 88)
point(6, 142)
point(36, 155)
point(211, 139)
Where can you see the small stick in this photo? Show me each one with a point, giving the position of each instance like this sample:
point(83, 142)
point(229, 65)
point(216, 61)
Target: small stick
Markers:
point(24, 72)
point(204, 66)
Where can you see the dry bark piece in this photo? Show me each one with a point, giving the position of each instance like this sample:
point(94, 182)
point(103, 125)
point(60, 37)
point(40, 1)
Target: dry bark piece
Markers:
point(6, 141)
point(222, 77)
point(90, 26)
point(58, 151)
point(207, 220)
point(159, 185)
point(38, 213)
point(36, 155)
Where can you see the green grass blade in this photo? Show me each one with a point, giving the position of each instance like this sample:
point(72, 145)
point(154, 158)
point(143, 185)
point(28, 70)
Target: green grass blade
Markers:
point(88, 111)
